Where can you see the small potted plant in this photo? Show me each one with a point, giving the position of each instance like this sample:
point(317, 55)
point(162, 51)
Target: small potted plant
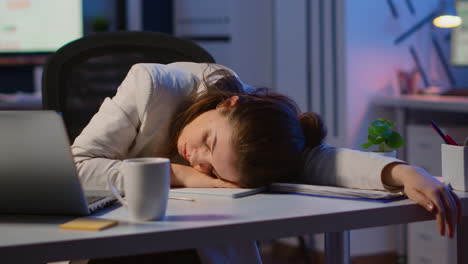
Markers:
point(381, 135)
point(100, 24)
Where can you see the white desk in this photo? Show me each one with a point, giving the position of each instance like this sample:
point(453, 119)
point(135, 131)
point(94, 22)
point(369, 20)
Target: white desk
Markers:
point(208, 222)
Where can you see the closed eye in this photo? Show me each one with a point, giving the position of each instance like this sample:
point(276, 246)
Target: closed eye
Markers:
point(205, 140)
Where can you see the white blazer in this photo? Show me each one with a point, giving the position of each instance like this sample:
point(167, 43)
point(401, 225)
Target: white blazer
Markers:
point(135, 122)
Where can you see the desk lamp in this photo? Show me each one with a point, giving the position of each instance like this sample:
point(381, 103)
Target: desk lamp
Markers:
point(448, 16)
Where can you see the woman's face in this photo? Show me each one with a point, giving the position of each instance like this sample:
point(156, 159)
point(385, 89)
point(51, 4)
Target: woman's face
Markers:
point(206, 143)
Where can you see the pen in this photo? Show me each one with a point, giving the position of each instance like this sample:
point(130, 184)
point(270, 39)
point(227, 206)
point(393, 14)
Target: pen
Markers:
point(450, 140)
point(182, 198)
point(446, 138)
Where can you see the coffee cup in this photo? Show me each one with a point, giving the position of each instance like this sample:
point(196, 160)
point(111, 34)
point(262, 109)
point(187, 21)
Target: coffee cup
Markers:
point(146, 183)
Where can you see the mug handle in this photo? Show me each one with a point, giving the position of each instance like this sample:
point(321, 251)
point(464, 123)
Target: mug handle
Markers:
point(114, 190)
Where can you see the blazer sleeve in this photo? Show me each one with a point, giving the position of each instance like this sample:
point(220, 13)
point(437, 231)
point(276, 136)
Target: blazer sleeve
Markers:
point(325, 165)
point(112, 132)
point(105, 141)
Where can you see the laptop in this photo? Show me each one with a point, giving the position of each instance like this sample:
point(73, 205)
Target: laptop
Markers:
point(37, 172)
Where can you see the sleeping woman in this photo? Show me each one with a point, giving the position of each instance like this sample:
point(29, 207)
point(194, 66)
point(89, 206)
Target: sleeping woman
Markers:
point(219, 132)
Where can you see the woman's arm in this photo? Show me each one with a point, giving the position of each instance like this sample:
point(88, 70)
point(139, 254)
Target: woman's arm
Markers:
point(427, 191)
point(131, 124)
point(343, 167)
point(186, 176)
point(107, 138)
point(325, 165)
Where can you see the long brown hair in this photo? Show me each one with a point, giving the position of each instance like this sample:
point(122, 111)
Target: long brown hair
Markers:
point(269, 136)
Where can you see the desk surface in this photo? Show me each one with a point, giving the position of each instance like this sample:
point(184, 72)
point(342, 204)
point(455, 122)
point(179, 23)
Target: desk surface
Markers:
point(208, 221)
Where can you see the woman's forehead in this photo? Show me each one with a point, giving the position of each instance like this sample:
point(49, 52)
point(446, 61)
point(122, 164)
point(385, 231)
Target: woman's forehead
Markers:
point(224, 153)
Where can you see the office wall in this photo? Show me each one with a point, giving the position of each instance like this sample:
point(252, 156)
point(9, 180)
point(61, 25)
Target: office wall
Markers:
point(290, 50)
point(373, 56)
point(237, 33)
point(333, 57)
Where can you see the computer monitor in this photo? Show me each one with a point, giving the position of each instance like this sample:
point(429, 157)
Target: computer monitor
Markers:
point(38, 26)
point(459, 39)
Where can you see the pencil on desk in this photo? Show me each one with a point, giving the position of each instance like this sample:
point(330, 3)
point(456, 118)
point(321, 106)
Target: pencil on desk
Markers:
point(182, 198)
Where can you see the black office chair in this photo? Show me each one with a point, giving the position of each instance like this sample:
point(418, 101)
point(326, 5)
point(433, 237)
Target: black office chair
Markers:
point(82, 73)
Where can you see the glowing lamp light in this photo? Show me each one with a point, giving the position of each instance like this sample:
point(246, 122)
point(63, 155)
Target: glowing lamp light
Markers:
point(447, 21)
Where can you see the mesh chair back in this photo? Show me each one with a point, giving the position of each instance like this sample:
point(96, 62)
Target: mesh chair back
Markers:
point(82, 73)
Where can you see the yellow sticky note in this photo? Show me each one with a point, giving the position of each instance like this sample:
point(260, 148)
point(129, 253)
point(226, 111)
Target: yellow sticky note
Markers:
point(88, 224)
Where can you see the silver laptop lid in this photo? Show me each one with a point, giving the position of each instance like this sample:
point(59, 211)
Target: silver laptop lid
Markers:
point(37, 173)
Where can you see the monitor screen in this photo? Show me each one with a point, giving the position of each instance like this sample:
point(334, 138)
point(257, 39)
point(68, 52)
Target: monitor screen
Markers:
point(39, 26)
point(459, 39)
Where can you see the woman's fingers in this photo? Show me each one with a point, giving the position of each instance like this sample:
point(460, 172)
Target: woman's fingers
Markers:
point(431, 197)
point(447, 207)
point(450, 211)
point(432, 204)
point(459, 207)
point(455, 211)
point(422, 200)
point(432, 194)
point(455, 206)
point(440, 215)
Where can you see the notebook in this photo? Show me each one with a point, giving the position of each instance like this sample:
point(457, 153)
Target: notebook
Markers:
point(37, 172)
point(336, 192)
point(224, 192)
point(295, 188)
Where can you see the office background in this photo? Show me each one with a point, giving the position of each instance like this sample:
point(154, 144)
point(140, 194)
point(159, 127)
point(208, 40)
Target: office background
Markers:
point(332, 57)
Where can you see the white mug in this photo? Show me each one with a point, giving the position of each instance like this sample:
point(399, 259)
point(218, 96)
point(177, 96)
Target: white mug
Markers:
point(146, 183)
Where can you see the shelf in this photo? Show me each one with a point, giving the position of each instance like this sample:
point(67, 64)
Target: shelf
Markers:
point(23, 60)
point(425, 102)
point(20, 102)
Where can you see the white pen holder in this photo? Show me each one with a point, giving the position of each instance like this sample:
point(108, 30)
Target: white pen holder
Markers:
point(455, 166)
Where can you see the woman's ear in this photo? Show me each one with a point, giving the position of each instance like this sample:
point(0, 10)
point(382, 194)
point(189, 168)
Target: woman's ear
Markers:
point(230, 102)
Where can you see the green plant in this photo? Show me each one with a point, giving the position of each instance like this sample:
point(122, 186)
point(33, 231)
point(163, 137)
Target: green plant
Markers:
point(100, 24)
point(381, 135)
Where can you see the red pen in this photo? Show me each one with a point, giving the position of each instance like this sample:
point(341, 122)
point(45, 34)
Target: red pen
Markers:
point(450, 140)
point(447, 139)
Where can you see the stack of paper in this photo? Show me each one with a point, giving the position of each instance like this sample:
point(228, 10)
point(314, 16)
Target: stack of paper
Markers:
point(226, 192)
point(333, 191)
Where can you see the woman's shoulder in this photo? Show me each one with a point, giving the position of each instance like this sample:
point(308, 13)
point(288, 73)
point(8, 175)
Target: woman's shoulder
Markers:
point(163, 73)
point(181, 77)
point(154, 79)
point(192, 69)
point(204, 72)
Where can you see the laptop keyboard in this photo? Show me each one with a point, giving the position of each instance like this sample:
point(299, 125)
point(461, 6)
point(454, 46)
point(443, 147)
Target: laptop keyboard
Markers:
point(96, 202)
point(93, 199)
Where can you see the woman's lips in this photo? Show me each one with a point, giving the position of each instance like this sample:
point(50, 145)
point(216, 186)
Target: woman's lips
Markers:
point(185, 152)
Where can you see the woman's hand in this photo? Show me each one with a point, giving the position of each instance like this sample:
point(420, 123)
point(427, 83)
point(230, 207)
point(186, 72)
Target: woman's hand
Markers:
point(427, 191)
point(186, 176)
